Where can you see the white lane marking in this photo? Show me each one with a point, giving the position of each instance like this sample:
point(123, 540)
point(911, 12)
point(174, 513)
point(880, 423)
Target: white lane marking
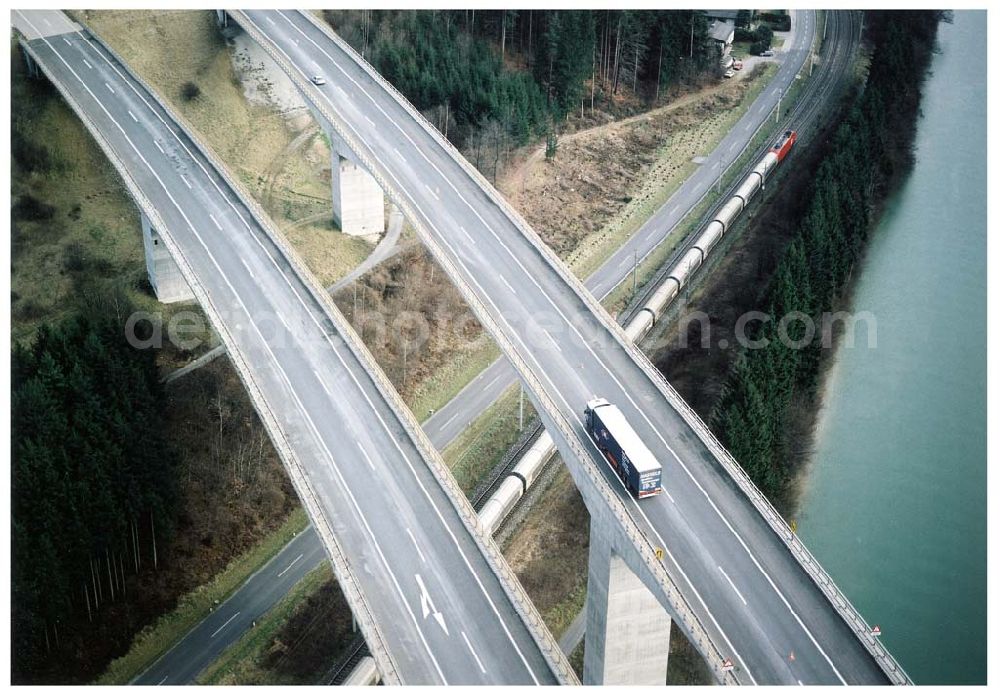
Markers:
point(399, 154)
point(416, 546)
point(501, 242)
point(165, 679)
point(289, 566)
point(159, 147)
point(224, 625)
point(492, 382)
point(467, 235)
point(733, 585)
point(269, 19)
point(218, 226)
point(469, 646)
point(674, 209)
point(185, 180)
point(369, 120)
point(110, 88)
point(364, 453)
point(554, 341)
point(577, 419)
point(47, 22)
point(322, 383)
point(445, 424)
point(132, 115)
point(650, 526)
point(427, 605)
point(67, 41)
point(667, 493)
point(509, 286)
point(433, 193)
point(85, 62)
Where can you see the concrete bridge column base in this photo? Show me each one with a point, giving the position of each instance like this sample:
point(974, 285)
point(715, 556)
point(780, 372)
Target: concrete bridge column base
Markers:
point(164, 274)
point(628, 630)
point(358, 201)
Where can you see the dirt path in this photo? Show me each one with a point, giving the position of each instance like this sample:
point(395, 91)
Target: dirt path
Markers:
point(275, 169)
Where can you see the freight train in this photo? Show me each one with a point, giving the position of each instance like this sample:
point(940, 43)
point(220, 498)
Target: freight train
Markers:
point(529, 467)
point(709, 237)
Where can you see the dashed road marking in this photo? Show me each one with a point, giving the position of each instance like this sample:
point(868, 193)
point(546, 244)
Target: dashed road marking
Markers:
point(289, 566)
point(469, 645)
point(733, 585)
point(224, 625)
point(416, 545)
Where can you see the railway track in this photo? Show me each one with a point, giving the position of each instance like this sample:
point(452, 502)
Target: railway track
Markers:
point(804, 117)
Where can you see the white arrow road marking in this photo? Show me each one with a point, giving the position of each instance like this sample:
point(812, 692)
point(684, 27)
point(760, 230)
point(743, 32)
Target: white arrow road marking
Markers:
point(427, 605)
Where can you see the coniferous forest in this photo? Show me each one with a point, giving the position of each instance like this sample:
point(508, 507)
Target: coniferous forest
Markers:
point(93, 480)
point(868, 152)
point(519, 71)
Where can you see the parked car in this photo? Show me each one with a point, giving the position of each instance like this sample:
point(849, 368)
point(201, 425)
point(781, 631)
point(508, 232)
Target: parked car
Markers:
point(768, 53)
point(730, 72)
point(318, 80)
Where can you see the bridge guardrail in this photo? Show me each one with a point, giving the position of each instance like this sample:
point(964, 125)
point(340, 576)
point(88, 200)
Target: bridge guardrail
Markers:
point(349, 582)
point(683, 612)
point(819, 576)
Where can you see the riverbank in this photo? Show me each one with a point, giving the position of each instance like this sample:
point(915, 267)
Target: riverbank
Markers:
point(894, 499)
point(794, 265)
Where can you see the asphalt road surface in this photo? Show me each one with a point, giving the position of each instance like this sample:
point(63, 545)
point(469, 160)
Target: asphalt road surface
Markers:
point(755, 600)
point(428, 582)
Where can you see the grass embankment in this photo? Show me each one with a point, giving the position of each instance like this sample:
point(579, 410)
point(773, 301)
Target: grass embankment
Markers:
point(75, 234)
point(492, 434)
point(293, 643)
point(74, 231)
point(288, 167)
point(193, 607)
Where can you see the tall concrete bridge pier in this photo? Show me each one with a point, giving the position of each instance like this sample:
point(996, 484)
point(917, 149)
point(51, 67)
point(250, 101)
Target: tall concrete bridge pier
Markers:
point(627, 639)
point(358, 200)
point(164, 273)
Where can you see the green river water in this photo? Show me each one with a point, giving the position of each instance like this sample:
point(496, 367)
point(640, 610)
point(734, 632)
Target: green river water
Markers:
point(894, 500)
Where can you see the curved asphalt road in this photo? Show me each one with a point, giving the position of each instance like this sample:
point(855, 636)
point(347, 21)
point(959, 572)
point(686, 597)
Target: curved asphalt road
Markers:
point(439, 594)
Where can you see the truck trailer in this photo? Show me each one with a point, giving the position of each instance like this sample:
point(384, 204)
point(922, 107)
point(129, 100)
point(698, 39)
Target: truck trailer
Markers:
point(621, 446)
